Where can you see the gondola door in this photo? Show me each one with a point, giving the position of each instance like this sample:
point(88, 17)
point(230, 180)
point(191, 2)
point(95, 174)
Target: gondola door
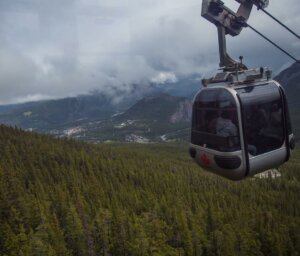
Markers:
point(266, 126)
point(216, 135)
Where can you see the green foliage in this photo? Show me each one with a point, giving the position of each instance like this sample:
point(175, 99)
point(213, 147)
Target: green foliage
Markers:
point(61, 197)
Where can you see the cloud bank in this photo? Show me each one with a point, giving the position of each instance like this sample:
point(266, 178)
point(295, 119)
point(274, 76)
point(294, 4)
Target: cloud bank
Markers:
point(53, 49)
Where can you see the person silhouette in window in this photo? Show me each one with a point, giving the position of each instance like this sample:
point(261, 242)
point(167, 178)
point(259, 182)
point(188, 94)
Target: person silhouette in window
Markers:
point(225, 127)
point(272, 132)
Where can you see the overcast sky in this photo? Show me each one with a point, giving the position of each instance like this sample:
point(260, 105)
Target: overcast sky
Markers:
point(59, 48)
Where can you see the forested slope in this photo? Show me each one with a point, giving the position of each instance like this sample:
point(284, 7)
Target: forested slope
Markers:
point(60, 197)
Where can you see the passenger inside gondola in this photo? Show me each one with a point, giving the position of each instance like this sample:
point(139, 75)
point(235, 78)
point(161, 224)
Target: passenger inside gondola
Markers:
point(263, 118)
point(224, 125)
point(215, 121)
point(272, 132)
point(264, 127)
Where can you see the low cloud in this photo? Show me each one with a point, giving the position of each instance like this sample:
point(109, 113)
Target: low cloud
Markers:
point(65, 48)
point(166, 77)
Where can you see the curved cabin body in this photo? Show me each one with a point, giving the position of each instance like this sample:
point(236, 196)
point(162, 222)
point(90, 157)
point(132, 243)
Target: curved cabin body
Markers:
point(242, 127)
point(239, 130)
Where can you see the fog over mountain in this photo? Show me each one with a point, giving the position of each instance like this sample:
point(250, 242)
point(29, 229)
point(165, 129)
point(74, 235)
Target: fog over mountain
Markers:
point(55, 49)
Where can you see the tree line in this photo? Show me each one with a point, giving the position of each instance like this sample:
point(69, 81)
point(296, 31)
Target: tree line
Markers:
point(62, 197)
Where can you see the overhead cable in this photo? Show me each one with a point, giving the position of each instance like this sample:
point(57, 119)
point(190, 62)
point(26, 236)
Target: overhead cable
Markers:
point(270, 41)
point(279, 22)
point(241, 22)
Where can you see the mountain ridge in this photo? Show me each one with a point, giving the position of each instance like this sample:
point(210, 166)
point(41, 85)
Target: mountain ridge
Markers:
point(290, 80)
point(153, 118)
point(155, 114)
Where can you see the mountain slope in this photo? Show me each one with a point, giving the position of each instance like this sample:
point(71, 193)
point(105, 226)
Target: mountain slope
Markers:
point(96, 118)
point(54, 114)
point(290, 80)
point(156, 118)
point(60, 197)
point(161, 107)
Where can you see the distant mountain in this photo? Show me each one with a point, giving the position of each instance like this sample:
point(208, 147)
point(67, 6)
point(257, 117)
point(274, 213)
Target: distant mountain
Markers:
point(14, 107)
point(290, 80)
point(97, 118)
point(53, 114)
point(164, 103)
point(156, 118)
point(148, 112)
point(185, 86)
point(163, 107)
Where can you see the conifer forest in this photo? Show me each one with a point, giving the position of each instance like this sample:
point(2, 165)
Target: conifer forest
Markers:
point(62, 197)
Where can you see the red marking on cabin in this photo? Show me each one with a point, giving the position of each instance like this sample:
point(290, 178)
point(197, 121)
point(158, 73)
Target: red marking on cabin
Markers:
point(204, 159)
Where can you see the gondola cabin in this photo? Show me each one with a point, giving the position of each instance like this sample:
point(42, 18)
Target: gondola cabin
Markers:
point(240, 129)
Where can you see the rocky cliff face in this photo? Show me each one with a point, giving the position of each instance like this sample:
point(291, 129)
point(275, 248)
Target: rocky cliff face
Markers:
point(183, 112)
point(163, 108)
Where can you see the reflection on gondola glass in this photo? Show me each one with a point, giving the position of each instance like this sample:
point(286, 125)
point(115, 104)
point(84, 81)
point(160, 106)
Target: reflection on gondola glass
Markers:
point(263, 117)
point(215, 122)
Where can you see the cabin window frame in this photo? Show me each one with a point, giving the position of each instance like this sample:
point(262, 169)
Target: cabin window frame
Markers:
point(262, 143)
point(201, 134)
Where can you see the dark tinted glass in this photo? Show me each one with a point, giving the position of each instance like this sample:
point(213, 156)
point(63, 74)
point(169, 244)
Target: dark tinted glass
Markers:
point(263, 117)
point(215, 122)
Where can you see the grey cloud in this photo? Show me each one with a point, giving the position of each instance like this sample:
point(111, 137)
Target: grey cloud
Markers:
point(51, 49)
point(259, 52)
point(17, 74)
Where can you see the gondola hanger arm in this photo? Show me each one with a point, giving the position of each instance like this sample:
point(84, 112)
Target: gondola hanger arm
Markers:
point(229, 22)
